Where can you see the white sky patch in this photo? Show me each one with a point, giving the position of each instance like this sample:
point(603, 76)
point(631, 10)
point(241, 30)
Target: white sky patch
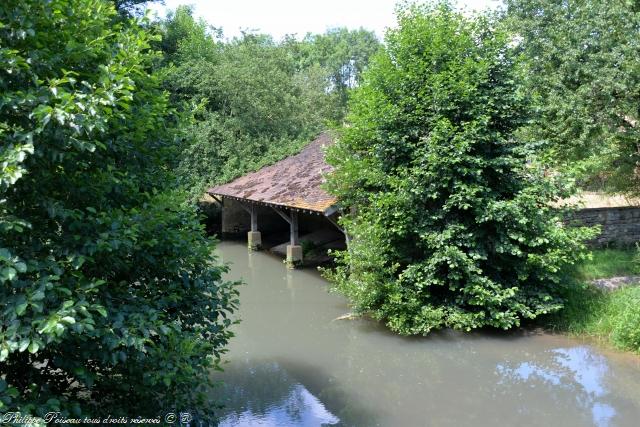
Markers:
point(281, 17)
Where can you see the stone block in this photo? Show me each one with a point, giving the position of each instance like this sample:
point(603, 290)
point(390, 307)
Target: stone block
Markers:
point(294, 256)
point(254, 240)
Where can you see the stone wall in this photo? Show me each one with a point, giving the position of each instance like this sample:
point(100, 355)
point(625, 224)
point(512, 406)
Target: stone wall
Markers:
point(620, 226)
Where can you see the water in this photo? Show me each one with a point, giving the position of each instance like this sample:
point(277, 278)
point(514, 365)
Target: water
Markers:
point(293, 364)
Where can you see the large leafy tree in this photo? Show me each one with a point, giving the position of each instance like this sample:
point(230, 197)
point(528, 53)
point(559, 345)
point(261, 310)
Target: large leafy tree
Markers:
point(111, 300)
point(342, 53)
point(255, 105)
point(583, 68)
point(450, 225)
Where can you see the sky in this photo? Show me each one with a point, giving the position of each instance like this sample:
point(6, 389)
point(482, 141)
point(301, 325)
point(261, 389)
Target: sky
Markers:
point(280, 17)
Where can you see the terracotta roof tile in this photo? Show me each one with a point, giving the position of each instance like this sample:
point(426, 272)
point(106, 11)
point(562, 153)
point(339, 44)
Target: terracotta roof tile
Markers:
point(291, 182)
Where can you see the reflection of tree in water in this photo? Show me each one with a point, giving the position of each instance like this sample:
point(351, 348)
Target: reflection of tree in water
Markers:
point(575, 370)
point(265, 394)
point(447, 379)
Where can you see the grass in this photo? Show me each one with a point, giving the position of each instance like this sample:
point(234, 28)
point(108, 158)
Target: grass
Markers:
point(611, 317)
point(609, 263)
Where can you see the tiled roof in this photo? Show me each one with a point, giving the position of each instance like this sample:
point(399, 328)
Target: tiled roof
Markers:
point(292, 182)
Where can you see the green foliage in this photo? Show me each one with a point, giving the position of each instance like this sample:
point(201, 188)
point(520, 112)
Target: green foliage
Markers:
point(184, 38)
point(255, 100)
point(612, 317)
point(451, 226)
point(608, 263)
point(111, 301)
point(582, 68)
point(624, 317)
point(132, 7)
point(343, 54)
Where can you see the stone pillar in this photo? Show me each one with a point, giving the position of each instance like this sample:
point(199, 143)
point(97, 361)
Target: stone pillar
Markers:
point(294, 256)
point(294, 250)
point(254, 238)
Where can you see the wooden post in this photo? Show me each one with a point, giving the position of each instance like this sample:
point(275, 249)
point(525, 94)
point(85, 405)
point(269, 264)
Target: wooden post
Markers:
point(294, 228)
point(254, 218)
point(347, 239)
point(254, 238)
point(294, 250)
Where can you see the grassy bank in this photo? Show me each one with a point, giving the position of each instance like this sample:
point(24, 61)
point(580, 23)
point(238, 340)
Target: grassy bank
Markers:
point(609, 263)
point(610, 317)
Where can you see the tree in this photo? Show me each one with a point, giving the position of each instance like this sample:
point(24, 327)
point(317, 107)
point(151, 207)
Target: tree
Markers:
point(252, 103)
point(186, 39)
point(111, 300)
point(344, 54)
point(451, 227)
point(582, 67)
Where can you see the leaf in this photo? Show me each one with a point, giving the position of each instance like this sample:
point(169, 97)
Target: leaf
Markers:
point(21, 308)
point(7, 273)
point(24, 343)
point(33, 347)
point(69, 320)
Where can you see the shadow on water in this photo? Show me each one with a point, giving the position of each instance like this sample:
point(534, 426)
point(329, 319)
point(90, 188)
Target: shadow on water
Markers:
point(293, 364)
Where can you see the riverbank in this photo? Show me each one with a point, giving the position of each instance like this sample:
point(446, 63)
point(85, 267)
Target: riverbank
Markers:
point(610, 317)
point(603, 305)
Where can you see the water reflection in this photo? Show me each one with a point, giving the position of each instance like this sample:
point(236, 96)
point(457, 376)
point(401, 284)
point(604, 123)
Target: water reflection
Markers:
point(268, 396)
point(292, 363)
point(579, 370)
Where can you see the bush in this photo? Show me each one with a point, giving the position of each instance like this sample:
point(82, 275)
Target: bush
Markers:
point(452, 222)
point(111, 301)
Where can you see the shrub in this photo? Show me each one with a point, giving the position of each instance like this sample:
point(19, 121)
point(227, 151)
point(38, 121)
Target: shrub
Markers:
point(452, 222)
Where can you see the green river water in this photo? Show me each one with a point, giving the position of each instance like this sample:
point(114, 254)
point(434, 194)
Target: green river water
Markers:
point(293, 364)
